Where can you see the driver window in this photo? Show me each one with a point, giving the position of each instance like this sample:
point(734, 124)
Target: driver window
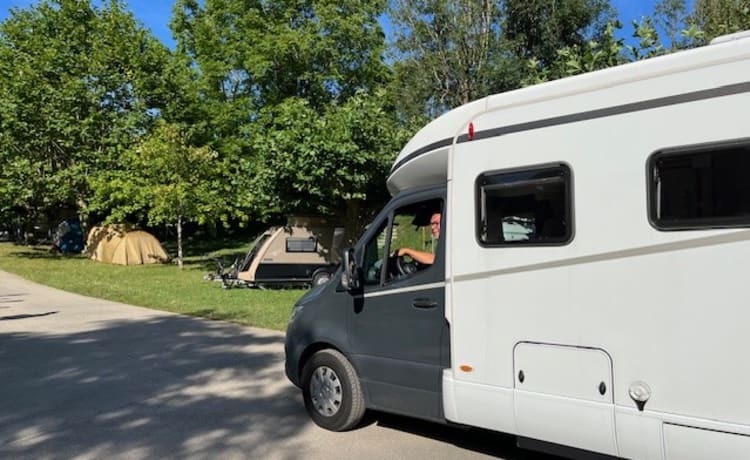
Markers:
point(414, 238)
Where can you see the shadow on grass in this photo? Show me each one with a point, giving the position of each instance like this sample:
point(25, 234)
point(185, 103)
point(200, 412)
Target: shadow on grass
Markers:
point(210, 263)
point(203, 245)
point(42, 252)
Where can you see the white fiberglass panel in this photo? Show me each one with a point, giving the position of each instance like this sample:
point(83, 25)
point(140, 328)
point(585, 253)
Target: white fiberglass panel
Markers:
point(425, 170)
point(581, 424)
point(686, 443)
point(572, 372)
point(667, 306)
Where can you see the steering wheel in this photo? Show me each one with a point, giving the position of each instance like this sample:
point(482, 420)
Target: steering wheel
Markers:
point(405, 268)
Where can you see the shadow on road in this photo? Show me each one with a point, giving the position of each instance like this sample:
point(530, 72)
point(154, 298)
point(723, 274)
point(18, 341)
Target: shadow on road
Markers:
point(478, 440)
point(170, 387)
point(166, 387)
point(27, 315)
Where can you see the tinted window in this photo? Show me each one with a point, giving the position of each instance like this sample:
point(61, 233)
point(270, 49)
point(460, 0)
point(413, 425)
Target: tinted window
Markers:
point(703, 188)
point(301, 244)
point(524, 207)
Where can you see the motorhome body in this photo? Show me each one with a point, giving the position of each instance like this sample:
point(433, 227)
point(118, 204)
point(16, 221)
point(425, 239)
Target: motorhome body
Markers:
point(588, 289)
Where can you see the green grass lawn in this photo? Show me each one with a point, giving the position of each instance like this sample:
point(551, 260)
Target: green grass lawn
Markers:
point(161, 287)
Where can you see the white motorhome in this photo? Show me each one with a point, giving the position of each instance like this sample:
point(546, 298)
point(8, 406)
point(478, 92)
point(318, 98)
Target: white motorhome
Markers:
point(588, 288)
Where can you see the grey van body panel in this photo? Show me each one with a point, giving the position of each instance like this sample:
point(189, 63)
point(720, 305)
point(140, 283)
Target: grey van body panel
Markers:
point(399, 350)
point(320, 322)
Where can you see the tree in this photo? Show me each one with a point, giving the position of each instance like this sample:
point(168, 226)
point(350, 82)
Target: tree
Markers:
point(607, 51)
point(670, 16)
point(335, 164)
point(271, 75)
point(321, 51)
point(539, 28)
point(448, 52)
point(77, 84)
point(721, 17)
point(166, 180)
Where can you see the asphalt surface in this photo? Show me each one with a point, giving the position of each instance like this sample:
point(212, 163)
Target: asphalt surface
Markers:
point(87, 378)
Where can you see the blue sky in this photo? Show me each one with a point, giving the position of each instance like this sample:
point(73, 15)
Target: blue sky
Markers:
point(155, 14)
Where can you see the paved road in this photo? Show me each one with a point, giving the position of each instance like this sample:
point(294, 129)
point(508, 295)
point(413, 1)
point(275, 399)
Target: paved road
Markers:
point(86, 378)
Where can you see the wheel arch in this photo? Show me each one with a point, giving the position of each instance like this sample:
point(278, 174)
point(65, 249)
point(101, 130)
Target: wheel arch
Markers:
point(314, 348)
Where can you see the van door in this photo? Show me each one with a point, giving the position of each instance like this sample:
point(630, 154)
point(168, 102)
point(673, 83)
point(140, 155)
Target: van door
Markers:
point(397, 328)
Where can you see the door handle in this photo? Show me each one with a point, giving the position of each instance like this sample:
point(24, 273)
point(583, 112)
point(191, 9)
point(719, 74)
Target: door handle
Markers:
point(424, 303)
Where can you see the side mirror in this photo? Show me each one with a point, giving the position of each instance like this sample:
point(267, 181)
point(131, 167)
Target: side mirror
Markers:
point(350, 275)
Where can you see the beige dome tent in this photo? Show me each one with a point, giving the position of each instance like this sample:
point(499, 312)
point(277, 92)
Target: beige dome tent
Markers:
point(117, 244)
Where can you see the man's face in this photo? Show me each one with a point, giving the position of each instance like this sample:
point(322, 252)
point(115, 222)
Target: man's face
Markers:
point(435, 225)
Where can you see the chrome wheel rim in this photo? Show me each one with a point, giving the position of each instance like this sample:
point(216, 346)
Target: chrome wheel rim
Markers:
point(325, 391)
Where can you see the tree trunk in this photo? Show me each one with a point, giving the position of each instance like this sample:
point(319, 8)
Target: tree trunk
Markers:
point(179, 242)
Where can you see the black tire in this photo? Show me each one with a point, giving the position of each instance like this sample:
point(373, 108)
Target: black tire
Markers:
point(320, 277)
point(331, 390)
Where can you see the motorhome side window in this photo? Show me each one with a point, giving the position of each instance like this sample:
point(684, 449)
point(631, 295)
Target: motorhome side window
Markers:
point(520, 207)
point(701, 188)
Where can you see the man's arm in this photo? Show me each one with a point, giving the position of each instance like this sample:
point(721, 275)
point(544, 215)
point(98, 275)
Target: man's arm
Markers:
point(422, 257)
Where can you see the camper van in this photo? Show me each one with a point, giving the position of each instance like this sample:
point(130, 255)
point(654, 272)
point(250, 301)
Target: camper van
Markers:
point(588, 288)
point(307, 250)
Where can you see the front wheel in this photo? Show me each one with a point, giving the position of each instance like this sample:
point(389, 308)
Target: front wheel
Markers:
point(330, 387)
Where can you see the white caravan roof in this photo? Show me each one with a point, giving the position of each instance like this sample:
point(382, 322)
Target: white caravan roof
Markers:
point(424, 159)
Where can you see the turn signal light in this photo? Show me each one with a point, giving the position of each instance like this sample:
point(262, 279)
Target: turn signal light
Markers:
point(466, 368)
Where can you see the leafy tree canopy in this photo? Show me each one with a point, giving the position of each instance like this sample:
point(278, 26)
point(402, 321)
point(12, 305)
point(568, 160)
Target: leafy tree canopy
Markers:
point(317, 50)
point(76, 83)
point(335, 164)
point(164, 179)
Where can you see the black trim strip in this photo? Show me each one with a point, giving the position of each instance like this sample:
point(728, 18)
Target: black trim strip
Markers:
point(583, 116)
point(425, 149)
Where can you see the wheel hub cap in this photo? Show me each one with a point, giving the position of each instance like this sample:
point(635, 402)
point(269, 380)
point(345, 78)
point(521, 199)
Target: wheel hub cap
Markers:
point(325, 391)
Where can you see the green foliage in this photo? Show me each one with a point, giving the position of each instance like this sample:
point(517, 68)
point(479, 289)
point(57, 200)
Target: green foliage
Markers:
point(329, 164)
point(539, 28)
point(264, 52)
point(649, 44)
point(451, 52)
point(292, 96)
point(605, 52)
point(275, 108)
point(721, 17)
point(164, 179)
point(448, 52)
point(671, 16)
point(76, 84)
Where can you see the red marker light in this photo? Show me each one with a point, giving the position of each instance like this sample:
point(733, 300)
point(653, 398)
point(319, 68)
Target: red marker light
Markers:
point(471, 131)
